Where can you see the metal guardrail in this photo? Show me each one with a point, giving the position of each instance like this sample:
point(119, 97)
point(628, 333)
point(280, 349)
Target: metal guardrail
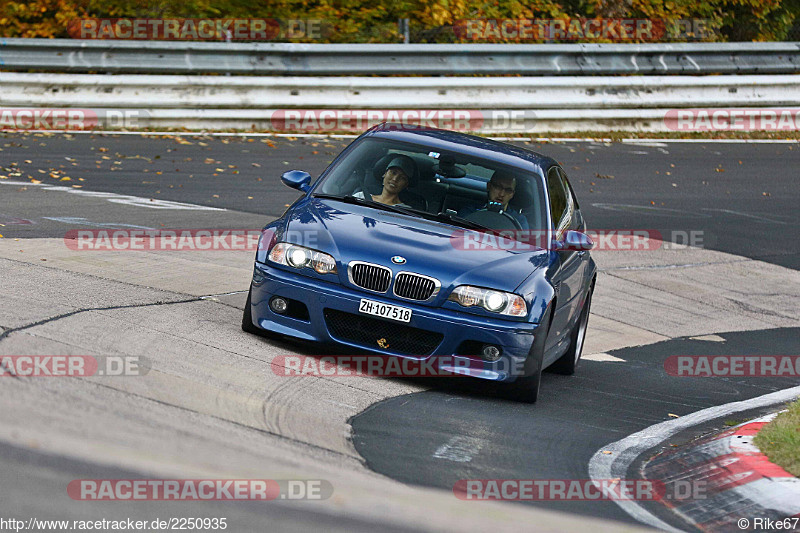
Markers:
point(533, 104)
point(358, 92)
point(178, 57)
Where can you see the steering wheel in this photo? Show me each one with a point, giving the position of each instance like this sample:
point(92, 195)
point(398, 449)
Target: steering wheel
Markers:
point(494, 219)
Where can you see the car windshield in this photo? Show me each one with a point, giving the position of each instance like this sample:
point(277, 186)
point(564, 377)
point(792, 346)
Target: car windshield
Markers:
point(454, 187)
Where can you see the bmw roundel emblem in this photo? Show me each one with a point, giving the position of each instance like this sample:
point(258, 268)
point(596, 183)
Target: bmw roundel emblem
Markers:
point(398, 260)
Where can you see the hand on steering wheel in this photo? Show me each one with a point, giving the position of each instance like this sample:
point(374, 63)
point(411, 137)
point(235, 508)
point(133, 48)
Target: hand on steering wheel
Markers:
point(494, 219)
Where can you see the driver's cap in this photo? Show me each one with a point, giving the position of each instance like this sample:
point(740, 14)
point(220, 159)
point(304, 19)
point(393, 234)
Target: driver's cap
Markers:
point(406, 165)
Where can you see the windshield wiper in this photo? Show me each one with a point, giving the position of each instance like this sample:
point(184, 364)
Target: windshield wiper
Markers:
point(350, 199)
point(458, 221)
point(441, 217)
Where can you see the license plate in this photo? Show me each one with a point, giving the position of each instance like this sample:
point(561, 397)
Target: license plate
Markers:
point(392, 312)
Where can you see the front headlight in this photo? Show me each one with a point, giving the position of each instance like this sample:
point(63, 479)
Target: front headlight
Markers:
point(504, 303)
point(296, 256)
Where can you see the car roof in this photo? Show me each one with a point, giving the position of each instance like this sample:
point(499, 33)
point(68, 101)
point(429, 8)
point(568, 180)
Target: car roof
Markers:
point(460, 142)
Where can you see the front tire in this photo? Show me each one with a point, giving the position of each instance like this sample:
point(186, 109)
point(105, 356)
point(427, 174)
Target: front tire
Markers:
point(249, 327)
point(247, 317)
point(568, 363)
point(526, 387)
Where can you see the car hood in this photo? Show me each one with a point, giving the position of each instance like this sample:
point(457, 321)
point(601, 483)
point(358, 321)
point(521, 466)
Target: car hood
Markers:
point(359, 233)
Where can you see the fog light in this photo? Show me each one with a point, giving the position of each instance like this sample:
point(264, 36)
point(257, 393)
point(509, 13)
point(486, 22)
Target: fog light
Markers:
point(279, 305)
point(490, 353)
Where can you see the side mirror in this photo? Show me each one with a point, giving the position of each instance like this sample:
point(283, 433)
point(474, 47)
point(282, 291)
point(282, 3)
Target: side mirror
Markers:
point(297, 179)
point(575, 241)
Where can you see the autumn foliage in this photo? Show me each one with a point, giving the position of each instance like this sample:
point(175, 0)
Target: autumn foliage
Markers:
point(353, 21)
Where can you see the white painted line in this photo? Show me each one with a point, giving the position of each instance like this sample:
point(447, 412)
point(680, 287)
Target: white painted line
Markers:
point(81, 221)
point(115, 198)
point(459, 449)
point(510, 139)
point(708, 338)
point(191, 133)
point(746, 215)
point(662, 267)
point(717, 141)
point(353, 136)
point(213, 296)
point(648, 143)
point(602, 356)
point(624, 452)
point(653, 210)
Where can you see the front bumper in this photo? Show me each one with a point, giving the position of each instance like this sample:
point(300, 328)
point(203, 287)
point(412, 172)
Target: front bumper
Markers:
point(326, 298)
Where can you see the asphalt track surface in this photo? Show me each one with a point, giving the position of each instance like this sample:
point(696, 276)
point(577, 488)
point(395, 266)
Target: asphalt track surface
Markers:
point(574, 417)
point(741, 197)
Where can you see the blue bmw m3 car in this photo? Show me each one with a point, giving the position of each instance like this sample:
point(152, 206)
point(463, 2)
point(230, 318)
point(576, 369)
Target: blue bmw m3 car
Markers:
point(422, 243)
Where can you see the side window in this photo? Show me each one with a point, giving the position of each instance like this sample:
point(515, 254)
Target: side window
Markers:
point(572, 204)
point(558, 196)
point(568, 187)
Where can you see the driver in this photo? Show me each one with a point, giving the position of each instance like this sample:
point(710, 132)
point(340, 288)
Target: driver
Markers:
point(397, 177)
point(500, 189)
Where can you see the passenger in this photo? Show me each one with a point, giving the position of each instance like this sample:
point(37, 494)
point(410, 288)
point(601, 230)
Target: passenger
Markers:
point(500, 190)
point(396, 179)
